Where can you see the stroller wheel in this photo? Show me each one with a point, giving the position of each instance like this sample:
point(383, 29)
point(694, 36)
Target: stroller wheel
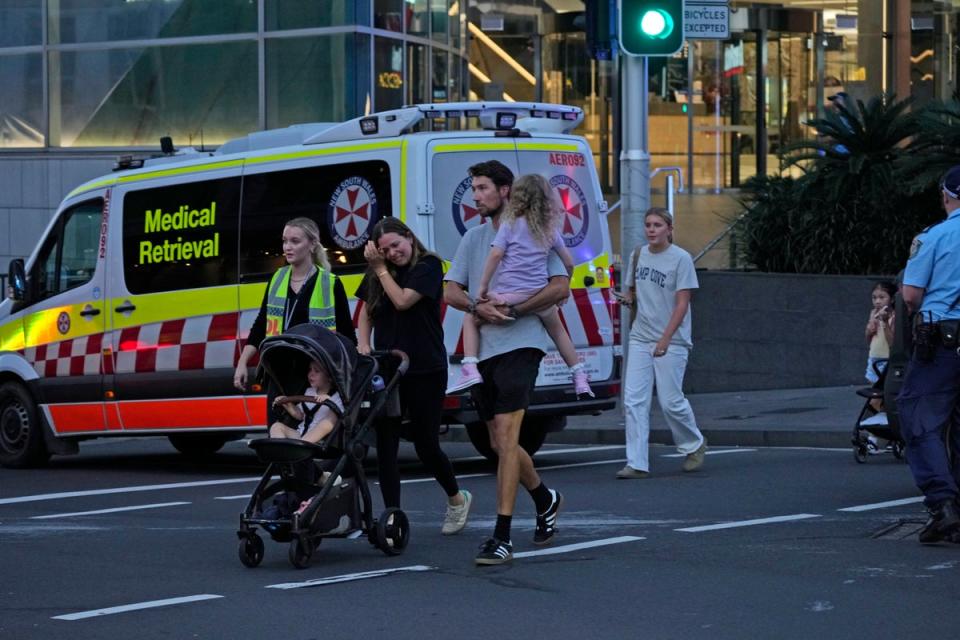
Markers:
point(250, 550)
point(301, 552)
point(393, 531)
point(897, 447)
point(860, 453)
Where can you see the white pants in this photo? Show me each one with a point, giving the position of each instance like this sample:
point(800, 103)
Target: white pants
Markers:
point(667, 371)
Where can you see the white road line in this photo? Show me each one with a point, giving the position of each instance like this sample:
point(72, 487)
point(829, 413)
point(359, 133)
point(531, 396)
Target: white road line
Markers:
point(710, 452)
point(349, 577)
point(748, 523)
point(582, 464)
point(882, 505)
point(133, 489)
point(114, 510)
point(570, 548)
point(550, 452)
point(245, 496)
point(153, 604)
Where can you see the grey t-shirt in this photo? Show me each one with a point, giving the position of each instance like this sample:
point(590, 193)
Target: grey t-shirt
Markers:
point(656, 278)
point(467, 270)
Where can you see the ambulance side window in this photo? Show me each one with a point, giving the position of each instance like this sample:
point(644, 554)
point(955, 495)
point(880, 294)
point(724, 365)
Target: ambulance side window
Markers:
point(344, 200)
point(68, 258)
point(182, 236)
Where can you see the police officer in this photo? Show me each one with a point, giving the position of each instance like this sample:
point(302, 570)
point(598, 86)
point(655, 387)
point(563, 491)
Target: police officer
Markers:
point(929, 401)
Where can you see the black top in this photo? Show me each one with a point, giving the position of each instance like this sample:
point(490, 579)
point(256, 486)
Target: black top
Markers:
point(341, 308)
point(416, 331)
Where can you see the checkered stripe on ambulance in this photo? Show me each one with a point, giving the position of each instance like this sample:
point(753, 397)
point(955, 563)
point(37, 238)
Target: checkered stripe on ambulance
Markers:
point(567, 164)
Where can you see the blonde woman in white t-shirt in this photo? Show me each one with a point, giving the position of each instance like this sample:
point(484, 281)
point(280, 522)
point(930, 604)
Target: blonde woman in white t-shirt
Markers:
point(662, 278)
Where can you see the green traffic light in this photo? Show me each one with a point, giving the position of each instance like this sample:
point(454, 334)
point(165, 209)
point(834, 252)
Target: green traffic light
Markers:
point(656, 23)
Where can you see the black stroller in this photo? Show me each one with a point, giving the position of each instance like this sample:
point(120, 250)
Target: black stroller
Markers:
point(871, 422)
point(329, 476)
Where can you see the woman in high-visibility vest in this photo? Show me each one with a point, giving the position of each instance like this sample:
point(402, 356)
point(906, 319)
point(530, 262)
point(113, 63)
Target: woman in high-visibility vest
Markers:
point(401, 291)
point(304, 290)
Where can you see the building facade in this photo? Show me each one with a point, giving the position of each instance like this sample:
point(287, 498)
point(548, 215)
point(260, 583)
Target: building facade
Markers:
point(87, 80)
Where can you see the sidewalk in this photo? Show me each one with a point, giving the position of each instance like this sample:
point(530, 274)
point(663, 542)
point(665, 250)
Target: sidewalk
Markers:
point(817, 417)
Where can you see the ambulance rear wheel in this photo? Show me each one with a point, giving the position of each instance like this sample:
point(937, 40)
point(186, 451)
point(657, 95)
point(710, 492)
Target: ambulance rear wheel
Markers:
point(198, 445)
point(532, 434)
point(21, 438)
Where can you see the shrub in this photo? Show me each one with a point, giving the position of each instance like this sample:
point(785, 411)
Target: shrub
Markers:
point(850, 211)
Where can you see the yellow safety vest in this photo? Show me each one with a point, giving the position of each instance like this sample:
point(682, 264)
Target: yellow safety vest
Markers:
point(321, 309)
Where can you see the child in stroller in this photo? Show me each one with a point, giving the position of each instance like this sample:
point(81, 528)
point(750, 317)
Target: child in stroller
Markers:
point(336, 502)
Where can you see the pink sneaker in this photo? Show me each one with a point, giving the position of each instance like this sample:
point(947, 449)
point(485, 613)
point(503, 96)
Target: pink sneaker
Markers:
point(581, 384)
point(469, 376)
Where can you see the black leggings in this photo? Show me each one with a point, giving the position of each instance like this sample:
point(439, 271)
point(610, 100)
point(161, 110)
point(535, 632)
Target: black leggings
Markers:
point(421, 398)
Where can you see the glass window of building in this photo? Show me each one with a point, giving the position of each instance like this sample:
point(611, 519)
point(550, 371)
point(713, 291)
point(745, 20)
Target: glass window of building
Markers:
point(20, 23)
point(21, 101)
point(132, 97)
point(418, 17)
point(303, 14)
point(319, 79)
point(439, 20)
point(110, 20)
point(388, 14)
point(388, 73)
point(418, 74)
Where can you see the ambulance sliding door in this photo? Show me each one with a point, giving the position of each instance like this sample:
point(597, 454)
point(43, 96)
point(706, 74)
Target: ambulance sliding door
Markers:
point(64, 323)
point(344, 193)
point(174, 303)
point(455, 211)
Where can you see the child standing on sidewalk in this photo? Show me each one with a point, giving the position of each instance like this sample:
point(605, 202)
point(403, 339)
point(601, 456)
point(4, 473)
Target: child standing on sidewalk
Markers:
point(528, 232)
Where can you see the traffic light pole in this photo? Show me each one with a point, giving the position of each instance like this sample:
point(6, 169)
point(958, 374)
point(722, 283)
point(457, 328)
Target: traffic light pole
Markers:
point(634, 168)
point(634, 157)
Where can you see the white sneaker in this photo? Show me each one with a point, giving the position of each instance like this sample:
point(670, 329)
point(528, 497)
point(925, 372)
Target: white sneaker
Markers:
point(456, 518)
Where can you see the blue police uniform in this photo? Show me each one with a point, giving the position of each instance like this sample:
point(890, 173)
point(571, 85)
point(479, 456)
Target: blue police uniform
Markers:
point(931, 388)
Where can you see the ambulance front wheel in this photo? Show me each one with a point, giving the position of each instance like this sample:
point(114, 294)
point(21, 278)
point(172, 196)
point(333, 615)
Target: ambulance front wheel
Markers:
point(198, 445)
point(21, 438)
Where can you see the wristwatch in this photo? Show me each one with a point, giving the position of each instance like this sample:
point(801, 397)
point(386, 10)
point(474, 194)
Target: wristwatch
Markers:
point(512, 312)
point(472, 308)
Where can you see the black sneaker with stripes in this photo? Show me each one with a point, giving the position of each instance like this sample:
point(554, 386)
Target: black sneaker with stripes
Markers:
point(494, 551)
point(547, 521)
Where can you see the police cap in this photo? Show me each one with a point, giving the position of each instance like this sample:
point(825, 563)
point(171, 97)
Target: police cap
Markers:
point(950, 184)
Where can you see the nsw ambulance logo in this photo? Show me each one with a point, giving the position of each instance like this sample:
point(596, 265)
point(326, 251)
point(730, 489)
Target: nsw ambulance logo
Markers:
point(351, 213)
point(576, 215)
point(464, 209)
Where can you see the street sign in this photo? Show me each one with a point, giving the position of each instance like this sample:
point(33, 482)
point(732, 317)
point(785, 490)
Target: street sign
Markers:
point(706, 20)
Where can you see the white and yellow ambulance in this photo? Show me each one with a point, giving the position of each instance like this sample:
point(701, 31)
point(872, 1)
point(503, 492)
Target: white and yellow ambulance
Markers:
point(129, 315)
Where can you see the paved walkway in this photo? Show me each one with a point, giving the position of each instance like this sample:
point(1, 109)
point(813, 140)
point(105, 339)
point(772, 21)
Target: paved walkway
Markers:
point(817, 417)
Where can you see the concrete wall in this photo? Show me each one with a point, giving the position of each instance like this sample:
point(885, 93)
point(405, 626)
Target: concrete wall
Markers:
point(765, 331)
point(31, 188)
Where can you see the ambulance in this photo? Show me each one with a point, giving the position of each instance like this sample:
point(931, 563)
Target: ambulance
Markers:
point(129, 315)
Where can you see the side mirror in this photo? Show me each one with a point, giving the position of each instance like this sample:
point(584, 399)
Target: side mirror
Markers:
point(17, 279)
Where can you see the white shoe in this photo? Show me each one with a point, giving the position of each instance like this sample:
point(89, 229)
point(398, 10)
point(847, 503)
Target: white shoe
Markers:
point(456, 518)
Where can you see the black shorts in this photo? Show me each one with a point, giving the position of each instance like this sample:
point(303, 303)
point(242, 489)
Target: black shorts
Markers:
point(508, 382)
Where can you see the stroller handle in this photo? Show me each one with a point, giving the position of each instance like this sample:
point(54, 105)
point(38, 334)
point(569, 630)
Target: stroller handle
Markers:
point(404, 359)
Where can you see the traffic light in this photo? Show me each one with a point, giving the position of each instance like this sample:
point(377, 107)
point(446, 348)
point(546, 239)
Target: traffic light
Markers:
point(651, 27)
